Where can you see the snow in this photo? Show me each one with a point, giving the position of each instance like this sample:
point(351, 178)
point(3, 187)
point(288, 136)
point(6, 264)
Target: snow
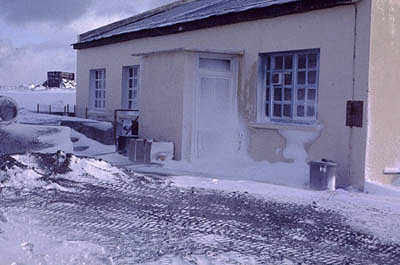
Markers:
point(94, 148)
point(239, 166)
point(29, 99)
point(376, 211)
point(84, 170)
point(48, 139)
point(22, 241)
point(161, 152)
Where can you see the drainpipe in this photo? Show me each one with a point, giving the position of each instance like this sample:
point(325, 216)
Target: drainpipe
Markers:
point(350, 158)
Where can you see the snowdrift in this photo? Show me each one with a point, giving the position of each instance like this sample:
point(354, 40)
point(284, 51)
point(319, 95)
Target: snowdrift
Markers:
point(44, 171)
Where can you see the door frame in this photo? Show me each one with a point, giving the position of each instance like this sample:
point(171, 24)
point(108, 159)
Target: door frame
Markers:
point(233, 75)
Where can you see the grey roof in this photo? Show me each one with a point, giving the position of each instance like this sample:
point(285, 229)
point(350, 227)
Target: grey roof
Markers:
point(180, 12)
point(184, 11)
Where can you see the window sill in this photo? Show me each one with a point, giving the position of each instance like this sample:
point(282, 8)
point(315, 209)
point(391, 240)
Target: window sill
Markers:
point(286, 126)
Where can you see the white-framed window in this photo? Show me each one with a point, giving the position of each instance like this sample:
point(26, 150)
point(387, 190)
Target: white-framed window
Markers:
point(290, 86)
point(98, 87)
point(130, 86)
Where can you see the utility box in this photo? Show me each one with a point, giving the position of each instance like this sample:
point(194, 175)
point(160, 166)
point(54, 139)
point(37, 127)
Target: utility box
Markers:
point(139, 150)
point(323, 175)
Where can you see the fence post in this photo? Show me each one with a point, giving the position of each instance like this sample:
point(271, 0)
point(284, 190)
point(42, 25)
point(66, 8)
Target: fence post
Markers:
point(37, 108)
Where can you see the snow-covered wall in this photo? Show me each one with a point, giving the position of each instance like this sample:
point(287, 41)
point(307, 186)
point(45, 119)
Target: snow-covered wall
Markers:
point(384, 91)
point(330, 30)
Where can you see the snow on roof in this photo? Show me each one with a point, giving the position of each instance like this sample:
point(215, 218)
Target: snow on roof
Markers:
point(181, 12)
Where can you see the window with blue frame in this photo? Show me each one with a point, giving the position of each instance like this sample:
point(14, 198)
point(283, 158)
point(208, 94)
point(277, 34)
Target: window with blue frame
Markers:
point(98, 88)
point(290, 85)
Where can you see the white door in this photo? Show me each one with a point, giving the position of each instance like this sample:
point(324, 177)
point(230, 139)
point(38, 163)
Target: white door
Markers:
point(215, 109)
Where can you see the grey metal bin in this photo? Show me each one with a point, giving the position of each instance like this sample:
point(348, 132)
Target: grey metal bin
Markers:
point(139, 150)
point(323, 175)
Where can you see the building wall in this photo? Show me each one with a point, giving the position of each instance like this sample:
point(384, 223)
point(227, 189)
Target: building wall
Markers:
point(330, 30)
point(161, 97)
point(384, 91)
point(358, 136)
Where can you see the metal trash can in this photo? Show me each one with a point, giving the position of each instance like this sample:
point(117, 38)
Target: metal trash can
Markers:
point(139, 150)
point(122, 143)
point(323, 175)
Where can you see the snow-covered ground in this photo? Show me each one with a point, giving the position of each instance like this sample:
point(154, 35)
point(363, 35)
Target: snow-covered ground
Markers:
point(377, 210)
point(57, 98)
point(72, 210)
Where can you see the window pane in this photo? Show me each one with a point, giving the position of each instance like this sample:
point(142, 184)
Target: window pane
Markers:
point(301, 93)
point(130, 83)
point(215, 64)
point(277, 93)
point(276, 78)
point(268, 63)
point(312, 61)
point(97, 84)
point(268, 78)
point(300, 111)
point(267, 94)
point(311, 94)
point(96, 74)
point(288, 94)
point(135, 82)
point(135, 71)
point(134, 93)
point(302, 64)
point(130, 105)
point(130, 72)
point(288, 62)
point(287, 110)
point(288, 78)
point(104, 104)
point(301, 78)
point(267, 110)
point(312, 77)
point(310, 111)
point(130, 94)
point(278, 63)
point(277, 110)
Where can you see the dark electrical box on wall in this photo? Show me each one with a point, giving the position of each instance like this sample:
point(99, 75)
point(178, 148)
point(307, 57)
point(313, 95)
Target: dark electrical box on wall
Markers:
point(354, 113)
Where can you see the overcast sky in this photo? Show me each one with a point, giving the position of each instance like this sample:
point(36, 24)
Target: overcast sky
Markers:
point(35, 35)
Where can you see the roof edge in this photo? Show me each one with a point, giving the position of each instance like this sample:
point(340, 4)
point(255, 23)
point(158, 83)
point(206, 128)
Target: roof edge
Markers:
point(272, 11)
point(182, 49)
point(123, 22)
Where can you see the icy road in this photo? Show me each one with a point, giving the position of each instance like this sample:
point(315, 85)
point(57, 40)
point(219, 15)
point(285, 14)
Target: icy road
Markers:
point(145, 220)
